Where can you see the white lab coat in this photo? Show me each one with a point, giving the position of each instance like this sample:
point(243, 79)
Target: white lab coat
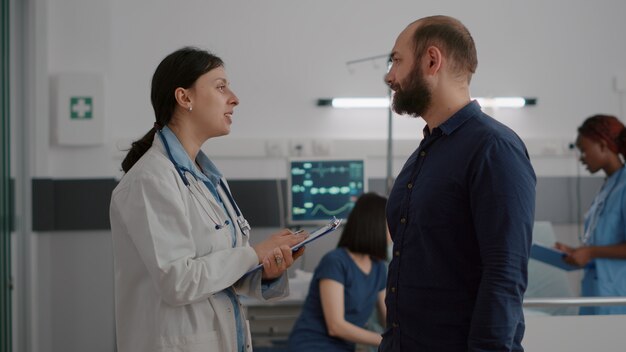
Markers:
point(172, 265)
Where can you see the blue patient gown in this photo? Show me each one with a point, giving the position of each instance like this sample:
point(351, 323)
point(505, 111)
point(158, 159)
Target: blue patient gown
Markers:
point(360, 295)
point(605, 224)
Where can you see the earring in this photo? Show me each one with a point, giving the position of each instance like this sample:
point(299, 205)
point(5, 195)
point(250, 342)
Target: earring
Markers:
point(190, 108)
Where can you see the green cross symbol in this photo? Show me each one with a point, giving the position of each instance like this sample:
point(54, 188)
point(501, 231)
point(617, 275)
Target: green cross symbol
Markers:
point(81, 108)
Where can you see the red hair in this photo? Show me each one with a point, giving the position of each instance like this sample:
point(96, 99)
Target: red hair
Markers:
point(606, 128)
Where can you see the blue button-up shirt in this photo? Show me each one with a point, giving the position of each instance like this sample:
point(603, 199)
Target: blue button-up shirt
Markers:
point(460, 216)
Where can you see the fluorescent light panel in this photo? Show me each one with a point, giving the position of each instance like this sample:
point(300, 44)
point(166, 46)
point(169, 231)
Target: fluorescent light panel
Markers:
point(368, 103)
point(348, 103)
point(503, 102)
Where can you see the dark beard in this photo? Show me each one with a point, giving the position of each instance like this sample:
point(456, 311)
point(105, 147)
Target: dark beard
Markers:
point(415, 99)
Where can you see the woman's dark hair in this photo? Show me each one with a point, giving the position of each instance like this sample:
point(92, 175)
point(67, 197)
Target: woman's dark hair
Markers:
point(179, 69)
point(607, 128)
point(366, 229)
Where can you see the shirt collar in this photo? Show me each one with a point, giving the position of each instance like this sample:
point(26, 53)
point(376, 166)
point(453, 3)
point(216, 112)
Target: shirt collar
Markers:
point(455, 121)
point(181, 158)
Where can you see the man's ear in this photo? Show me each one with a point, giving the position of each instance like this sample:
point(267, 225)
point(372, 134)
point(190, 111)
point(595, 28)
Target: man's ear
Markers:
point(433, 60)
point(182, 98)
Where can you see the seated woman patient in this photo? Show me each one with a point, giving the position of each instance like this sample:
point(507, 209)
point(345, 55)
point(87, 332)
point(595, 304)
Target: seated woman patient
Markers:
point(348, 282)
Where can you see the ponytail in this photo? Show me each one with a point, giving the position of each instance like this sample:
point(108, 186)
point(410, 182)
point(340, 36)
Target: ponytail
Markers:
point(138, 149)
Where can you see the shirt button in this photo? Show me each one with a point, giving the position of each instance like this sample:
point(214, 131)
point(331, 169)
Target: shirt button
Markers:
point(403, 220)
point(397, 253)
point(409, 186)
point(393, 289)
point(395, 325)
point(423, 153)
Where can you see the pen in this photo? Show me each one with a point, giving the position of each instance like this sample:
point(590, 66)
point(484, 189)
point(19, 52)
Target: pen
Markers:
point(297, 232)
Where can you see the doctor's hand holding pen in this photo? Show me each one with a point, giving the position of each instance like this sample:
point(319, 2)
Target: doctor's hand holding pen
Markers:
point(275, 252)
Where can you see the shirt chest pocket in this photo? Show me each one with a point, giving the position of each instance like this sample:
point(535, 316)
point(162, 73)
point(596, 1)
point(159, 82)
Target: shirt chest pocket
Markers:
point(438, 200)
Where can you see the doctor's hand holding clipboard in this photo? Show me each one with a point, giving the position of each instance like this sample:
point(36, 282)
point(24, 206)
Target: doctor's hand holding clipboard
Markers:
point(275, 253)
point(299, 240)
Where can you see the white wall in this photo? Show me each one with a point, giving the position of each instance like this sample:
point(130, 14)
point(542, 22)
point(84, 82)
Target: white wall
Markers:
point(76, 309)
point(282, 55)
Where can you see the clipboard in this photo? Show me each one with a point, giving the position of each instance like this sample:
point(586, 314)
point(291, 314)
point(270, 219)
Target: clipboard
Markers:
point(324, 230)
point(551, 256)
point(318, 233)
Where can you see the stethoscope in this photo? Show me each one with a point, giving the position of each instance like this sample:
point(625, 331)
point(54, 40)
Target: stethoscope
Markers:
point(243, 224)
point(599, 204)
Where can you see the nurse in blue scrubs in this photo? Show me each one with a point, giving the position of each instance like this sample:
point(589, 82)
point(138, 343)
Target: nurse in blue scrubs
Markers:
point(602, 144)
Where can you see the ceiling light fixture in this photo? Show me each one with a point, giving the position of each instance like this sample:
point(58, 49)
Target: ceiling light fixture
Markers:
point(376, 102)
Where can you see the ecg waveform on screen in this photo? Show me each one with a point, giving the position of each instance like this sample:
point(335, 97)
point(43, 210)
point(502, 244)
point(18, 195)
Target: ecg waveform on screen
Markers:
point(328, 212)
point(335, 169)
point(354, 170)
point(323, 189)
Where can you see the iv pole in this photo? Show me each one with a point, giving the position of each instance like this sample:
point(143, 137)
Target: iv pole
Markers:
point(389, 145)
point(389, 177)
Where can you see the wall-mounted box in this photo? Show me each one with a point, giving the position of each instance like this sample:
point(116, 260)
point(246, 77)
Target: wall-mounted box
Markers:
point(77, 109)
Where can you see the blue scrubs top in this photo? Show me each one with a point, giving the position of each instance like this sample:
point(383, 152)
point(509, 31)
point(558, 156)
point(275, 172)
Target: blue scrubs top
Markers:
point(360, 294)
point(605, 225)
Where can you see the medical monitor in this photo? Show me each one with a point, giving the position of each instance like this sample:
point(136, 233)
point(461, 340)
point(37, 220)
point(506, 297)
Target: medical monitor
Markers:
point(319, 189)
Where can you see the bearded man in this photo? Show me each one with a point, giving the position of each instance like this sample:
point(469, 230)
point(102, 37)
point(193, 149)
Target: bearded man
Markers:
point(461, 210)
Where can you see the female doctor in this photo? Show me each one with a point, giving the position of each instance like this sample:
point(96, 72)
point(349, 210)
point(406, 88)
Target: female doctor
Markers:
point(181, 244)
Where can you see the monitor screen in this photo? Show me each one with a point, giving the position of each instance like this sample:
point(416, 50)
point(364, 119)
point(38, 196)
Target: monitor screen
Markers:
point(319, 189)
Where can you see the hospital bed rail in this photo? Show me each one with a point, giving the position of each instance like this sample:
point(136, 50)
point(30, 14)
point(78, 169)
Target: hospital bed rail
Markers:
point(573, 301)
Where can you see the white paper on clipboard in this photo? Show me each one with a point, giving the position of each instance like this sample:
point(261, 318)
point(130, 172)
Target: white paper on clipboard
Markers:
point(320, 232)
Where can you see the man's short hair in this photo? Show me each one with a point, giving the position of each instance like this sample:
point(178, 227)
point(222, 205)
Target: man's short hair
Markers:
point(452, 38)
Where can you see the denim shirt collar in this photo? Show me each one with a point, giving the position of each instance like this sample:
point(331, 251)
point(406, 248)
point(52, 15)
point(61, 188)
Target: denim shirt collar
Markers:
point(181, 158)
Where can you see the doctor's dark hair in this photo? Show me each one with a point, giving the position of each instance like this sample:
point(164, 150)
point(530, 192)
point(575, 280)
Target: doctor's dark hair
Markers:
point(366, 229)
point(607, 128)
point(179, 69)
